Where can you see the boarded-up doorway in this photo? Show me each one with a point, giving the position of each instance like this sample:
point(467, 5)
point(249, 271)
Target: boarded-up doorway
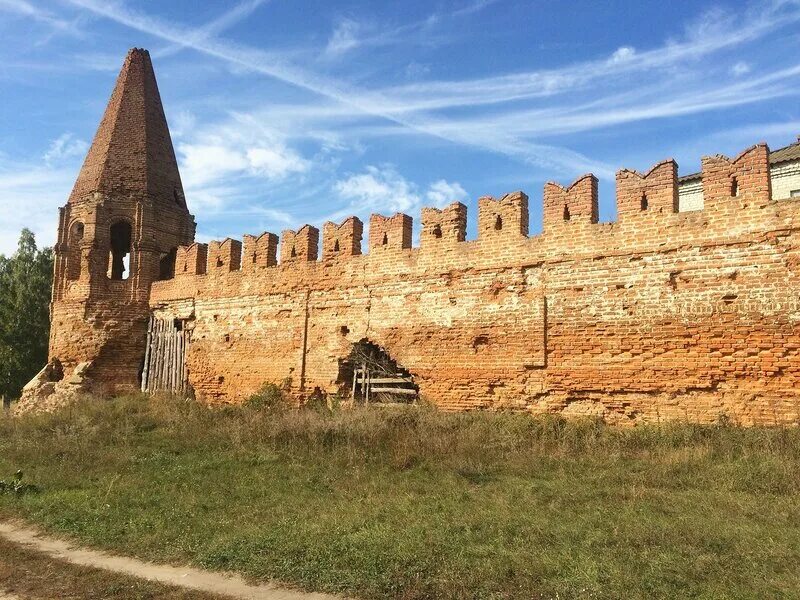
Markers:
point(165, 357)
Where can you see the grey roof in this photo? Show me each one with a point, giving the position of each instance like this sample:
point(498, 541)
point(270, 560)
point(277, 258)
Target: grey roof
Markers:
point(787, 153)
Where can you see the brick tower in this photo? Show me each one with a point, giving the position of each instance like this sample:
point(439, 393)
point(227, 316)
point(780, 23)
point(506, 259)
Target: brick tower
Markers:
point(117, 234)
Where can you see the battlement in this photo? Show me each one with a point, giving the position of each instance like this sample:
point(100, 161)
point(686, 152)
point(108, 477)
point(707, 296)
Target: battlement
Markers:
point(260, 251)
point(655, 191)
point(191, 260)
point(570, 217)
point(745, 178)
point(224, 256)
point(577, 202)
point(390, 232)
point(301, 245)
point(343, 239)
point(508, 215)
point(444, 226)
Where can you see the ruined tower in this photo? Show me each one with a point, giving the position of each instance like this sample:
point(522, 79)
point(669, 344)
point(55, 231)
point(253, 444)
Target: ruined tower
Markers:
point(117, 234)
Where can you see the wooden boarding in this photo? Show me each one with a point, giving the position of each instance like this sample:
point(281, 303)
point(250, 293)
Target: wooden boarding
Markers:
point(165, 358)
point(368, 383)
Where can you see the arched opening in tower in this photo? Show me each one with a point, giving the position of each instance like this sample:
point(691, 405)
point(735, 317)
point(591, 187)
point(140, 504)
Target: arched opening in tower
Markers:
point(370, 375)
point(119, 255)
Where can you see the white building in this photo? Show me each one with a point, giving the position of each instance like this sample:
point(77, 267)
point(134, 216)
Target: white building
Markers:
point(784, 172)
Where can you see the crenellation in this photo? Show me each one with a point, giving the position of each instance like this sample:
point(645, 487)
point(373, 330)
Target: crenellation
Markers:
point(745, 178)
point(655, 191)
point(390, 233)
point(301, 245)
point(260, 251)
point(191, 259)
point(444, 226)
point(343, 239)
point(224, 256)
point(507, 216)
point(576, 203)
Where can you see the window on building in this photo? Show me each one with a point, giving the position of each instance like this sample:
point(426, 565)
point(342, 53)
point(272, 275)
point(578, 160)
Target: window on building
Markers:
point(794, 194)
point(644, 203)
point(119, 255)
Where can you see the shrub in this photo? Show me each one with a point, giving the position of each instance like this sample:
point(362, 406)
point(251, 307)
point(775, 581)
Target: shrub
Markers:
point(270, 397)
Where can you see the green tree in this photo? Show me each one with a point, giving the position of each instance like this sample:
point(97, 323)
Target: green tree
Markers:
point(26, 279)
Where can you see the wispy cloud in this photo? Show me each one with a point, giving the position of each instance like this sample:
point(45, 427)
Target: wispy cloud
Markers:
point(32, 11)
point(240, 11)
point(64, 147)
point(369, 103)
point(344, 38)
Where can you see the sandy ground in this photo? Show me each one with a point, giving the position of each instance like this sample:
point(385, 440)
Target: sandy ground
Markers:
point(216, 583)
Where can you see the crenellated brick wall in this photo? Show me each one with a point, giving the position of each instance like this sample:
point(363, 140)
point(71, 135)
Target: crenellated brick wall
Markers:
point(661, 315)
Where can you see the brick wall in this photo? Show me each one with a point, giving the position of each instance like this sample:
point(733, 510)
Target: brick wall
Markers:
point(661, 315)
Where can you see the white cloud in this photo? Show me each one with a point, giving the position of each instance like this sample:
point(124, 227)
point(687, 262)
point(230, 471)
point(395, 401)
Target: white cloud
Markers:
point(203, 164)
point(623, 54)
point(380, 188)
point(740, 68)
point(383, 189)
point(64, 147)
point(275, 162)
point(441, 193)
point(344, 38)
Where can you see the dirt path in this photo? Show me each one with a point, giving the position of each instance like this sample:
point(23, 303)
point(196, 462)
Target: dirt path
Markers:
point(185, 577)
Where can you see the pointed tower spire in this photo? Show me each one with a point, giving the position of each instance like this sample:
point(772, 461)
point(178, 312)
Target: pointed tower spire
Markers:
point(132, 153)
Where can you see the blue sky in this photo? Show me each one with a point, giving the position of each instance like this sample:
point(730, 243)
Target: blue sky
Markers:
point(286, 112)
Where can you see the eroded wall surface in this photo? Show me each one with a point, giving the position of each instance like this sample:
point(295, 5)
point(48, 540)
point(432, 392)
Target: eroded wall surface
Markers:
point(661, 315)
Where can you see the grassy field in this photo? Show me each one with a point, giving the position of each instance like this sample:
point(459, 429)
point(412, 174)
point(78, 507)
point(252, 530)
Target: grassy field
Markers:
point(419, 504)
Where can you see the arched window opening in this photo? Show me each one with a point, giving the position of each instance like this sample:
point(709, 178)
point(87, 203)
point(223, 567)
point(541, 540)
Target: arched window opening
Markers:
point(734, 187)
point(336, 246)
point(566, 213)
point(166, 266)
point(385, 240)
point(294, 252)
point(369, 375)
point(645, 203)
point(437, 231)
point(119, 255)
point(74, 250)
point(498, 223)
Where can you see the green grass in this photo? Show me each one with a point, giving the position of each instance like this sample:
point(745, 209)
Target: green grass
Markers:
point(419, 504)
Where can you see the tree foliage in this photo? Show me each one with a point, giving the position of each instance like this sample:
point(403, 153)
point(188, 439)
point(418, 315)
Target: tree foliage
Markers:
point(26, 279)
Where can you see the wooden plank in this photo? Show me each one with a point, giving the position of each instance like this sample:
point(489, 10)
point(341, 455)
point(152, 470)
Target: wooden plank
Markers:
point(172, 372)
point(401, 391)
point(147, 353)
point(187, 336)
point(391, 380)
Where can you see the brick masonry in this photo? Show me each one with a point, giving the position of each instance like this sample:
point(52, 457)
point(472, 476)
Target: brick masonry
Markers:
point(661, 315)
